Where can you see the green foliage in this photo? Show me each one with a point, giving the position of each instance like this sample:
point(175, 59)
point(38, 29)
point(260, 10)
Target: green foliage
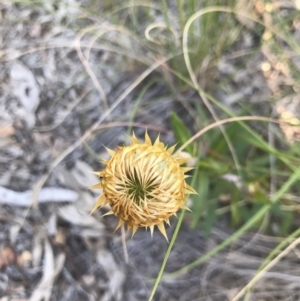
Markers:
point(248, 190)
point(200, 201)
point(182, 134)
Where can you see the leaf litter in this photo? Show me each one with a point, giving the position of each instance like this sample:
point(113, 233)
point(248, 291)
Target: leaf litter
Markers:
point(57, 251)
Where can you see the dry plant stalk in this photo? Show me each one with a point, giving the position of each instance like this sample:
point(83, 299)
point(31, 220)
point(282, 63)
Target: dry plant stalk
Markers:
point(144, 184)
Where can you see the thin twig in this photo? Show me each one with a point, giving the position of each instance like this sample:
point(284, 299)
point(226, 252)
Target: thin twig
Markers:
point(123, 236)
point(227, 120)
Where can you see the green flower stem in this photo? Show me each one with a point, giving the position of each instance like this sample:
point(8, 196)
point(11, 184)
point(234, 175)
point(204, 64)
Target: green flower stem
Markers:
point(259, 215)
point(174, 236)
point(251, 222)
point(179, 222)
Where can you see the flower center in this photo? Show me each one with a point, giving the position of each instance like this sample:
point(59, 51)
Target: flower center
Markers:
point(137, 189)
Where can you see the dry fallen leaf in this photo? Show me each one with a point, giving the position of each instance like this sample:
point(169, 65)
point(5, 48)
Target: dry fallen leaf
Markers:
point(80, 176)
point(115, 274)
point(26, 89)
point(7, 256)
point(72, 215)
point(52, 267)
point(6, 131)
point(50, 194)
point(24, 259)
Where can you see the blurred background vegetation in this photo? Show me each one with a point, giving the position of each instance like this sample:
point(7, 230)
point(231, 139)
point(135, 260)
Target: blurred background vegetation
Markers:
point(106, 68)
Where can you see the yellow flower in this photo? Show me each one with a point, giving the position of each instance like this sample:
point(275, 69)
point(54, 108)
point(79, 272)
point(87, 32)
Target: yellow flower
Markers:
point(144, 184)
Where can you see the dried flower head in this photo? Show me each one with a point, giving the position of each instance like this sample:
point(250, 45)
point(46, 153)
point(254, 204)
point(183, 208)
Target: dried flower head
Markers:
point(144, 184)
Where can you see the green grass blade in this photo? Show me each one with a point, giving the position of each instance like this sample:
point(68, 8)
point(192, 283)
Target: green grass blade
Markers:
point(251, 222)
point(181, 132)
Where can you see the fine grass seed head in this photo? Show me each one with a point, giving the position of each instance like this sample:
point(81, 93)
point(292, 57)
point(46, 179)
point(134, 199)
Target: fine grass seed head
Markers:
point(144, 184)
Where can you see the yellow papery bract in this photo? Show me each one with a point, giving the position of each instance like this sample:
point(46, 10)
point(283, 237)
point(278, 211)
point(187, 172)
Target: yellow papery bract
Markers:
point(144, 184)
